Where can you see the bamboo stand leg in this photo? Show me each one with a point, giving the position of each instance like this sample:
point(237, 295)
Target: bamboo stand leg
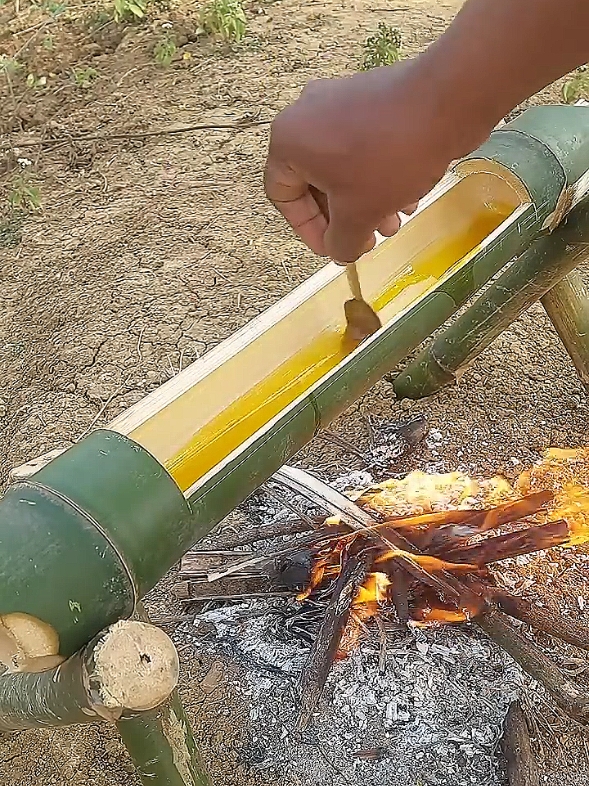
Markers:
point(536, 273)
point(567, 305)
point(162, 747)
point(130, 667)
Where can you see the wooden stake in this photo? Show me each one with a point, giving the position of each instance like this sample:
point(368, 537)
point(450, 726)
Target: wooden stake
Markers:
point(567, 305)
point(327, 642)
point(517, 749)
point(565, 693)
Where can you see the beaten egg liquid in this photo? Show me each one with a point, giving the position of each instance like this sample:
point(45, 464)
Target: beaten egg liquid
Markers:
point(251, 411)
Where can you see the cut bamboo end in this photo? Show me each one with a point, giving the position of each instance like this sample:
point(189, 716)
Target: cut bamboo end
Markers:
point(27, 644)
point(136, 667)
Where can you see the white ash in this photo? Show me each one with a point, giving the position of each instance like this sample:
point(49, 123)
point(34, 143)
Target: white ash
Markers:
point(434, 715)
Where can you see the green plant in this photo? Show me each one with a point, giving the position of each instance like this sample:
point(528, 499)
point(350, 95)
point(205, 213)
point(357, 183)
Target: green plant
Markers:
point(225, 18)
point(48, 43)
point(383, 48)
point(83, 77)
point(24, 194)
point(127, 9)
point(164, 51)
point(576, 86)
point(98, 18)
point(53, 7)
point(9, 65)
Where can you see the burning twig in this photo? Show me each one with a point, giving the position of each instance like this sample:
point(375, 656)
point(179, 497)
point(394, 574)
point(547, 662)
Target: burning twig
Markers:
point(565, 693)
point(324, 495)
point(327, 642)
point(398, 593)
point(512, 544)
point(517, 749)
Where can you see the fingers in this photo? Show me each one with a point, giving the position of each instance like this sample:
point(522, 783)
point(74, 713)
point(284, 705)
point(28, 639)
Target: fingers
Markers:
point(348, 234)
point(289, 192)
point(410, 209)
point(390, 226)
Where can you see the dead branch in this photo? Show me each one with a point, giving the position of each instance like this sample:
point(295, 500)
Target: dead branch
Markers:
point(327, 642)
point(66, 139)
point(517, 749)
point(510, 545)
point(542, 619)
point(565, 693)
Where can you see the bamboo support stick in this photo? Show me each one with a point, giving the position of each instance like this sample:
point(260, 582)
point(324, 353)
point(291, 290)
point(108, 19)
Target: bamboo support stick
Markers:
point(528, 279)
point(567, 305)
point(129, 667)
point(162, 747)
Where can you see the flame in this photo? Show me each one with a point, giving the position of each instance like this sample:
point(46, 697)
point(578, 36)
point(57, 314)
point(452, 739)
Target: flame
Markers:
point(431, 564)
point(432, 617)
point(373, 591)
point(452, 514)
point(365, 605)
point(572, 505)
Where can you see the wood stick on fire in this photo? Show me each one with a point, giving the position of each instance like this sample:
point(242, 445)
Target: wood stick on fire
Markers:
point(327, 641)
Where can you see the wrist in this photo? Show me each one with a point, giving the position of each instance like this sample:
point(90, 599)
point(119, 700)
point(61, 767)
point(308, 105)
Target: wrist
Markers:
point(463, 110)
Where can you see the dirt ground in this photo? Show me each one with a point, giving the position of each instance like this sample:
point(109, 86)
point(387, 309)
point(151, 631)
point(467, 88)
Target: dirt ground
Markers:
point(148, 252)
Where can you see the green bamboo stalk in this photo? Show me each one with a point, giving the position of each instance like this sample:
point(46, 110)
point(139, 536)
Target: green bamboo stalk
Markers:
point(567, 305)
point(162, 746)
point(529, 278)
point(128, 668)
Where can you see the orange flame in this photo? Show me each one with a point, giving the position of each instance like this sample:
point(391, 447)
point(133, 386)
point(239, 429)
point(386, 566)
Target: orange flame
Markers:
point(431, 564)
point(431, 617)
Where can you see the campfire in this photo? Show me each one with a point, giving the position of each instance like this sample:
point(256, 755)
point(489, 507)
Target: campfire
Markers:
point(415, 552)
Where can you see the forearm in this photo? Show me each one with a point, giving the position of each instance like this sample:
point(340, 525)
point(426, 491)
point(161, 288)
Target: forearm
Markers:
point(497, 53)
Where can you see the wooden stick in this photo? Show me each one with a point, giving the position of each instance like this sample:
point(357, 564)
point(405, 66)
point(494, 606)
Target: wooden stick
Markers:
point(522, 769)
point(398, 593)
point(542, 619)
point(512, 544)
point(567, 305)
point(565, 693)
point(326, 643)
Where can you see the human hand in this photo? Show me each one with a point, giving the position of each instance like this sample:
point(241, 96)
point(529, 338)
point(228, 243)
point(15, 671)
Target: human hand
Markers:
point(372, 144)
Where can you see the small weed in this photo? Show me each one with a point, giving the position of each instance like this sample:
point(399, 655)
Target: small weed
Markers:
point(24, 195)
point(84, 77)
point(53, 7)
point(576, 86)
point(11, 229)
point(164, 51)
point(49, 43)
point(9, 66)
point(129, 9)
point(383, 48)
point(98, 19)
point(225, 18)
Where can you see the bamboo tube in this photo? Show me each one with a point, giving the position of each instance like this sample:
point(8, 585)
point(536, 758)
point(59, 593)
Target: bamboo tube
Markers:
point(162, 747)
point(567, 305)
point(130, 667)
point(528, 279)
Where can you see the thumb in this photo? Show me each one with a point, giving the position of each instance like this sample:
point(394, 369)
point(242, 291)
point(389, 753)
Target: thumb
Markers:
point(350, 233)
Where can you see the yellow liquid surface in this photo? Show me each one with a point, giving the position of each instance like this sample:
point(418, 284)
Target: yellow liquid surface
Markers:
point(248, 413)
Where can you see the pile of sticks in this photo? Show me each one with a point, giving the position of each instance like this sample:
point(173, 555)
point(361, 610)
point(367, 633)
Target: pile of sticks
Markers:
point(436, 569)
